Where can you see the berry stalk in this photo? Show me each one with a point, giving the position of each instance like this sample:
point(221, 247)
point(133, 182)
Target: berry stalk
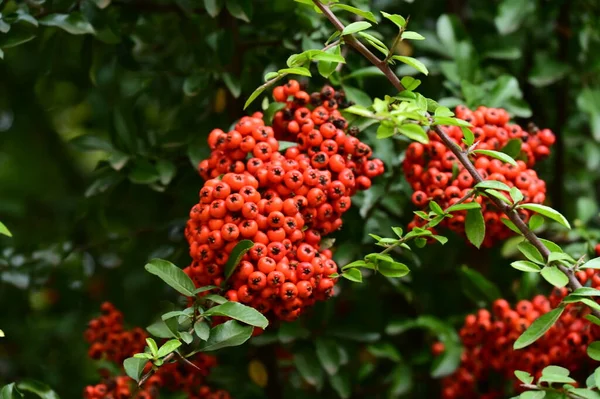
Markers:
point(461, 155)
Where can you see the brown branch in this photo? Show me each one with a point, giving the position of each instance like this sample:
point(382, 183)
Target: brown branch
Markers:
point(452, 146)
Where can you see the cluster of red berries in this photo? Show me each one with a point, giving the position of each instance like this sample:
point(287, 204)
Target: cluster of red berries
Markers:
point(488, 340)
point(109, 340)
point(285, 202)
point(435, 174)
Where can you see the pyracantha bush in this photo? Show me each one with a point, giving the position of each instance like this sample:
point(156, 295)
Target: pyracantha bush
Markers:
point(110, 341)
point(284, 200)
point(488, 339)
point(434, 172)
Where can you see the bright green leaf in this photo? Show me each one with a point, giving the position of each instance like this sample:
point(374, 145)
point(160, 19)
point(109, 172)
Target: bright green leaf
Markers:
point(172, 275)
point(538, 328)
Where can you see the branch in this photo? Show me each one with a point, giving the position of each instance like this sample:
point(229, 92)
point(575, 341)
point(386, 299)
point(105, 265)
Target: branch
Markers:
point(452, 146)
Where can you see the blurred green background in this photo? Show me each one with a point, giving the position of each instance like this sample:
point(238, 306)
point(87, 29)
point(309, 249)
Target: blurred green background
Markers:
point(105, 106)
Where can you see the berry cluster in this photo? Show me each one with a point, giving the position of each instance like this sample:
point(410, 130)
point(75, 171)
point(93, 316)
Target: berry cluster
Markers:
point(109, 340)
point(488, 340)
point(435, 174)
point(283, 199)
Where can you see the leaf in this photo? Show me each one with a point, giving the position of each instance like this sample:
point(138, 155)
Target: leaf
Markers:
point(584, 393)
point(295, 71)
point(536, 221)
point(533, 395)
point(233, 84)
point(498, 155)
point(469, 137)
point(593, 319)
point(172, 275)
point(152, 345)
point(134, 367)
point(493, 184)
point(477, 286)
point(395, 18)
point(254, 95)
point(240, 312)
point(353, 275)
point(166, 171)
point(538, 328)
point(160, 329)
point(414, 132)
point(524, 376)
point(168, 347)
point(384, 350)
point(4, 230)
point(410, 83)
point(143, 172)
point(213, 7)
point(413, 62)
point(357, 96)
point(512, 148)
point(593, 350)
point(410, 35)
point(10, 392)
point(392, 269)
point(526, 266)
point(365, 14)
point(356, 27)
point(202, 329)
point(186, 337)
point(548, 212)
point(38, 388)
point(341, 384)
point(15, 38)
point(308, 366)
point(328, 354)
point(554, 276)
point(215, 298)
point(327, 56)
point(230, 333)
point(463, 207)
point(240, 9)
point(591, 264)
point(475, 227)
point(90, 142)
point(511, 15)
point(530, 252)
point(74, 23)
point(235, 257)
point(586, 291)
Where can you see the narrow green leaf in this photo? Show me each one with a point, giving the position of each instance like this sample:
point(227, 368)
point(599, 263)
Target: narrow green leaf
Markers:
point(498, 155)
point(74, 23)
point(240, 312)
point(413, 62)
point(410, 35)
point(508, 223)
point(535, 221)
point(516, 194)
point(4, 230)
point(356, 263)
point(533, 395)
point(328, 355)
point(493, 184)
point(593, 350)
point(593, 319)
point(134, 367)
point(463, 207)
point(469, 137)
point(340, 382)
point(240, 9)
point(255, 94)
point(172, 275)
point(235, 256)
point(526, 266)
point(365, 14)
point(10, 391)
point(230, 333)
point(475, 227)
point(152, 345)
point(295, 71)
point(356, 27)
point(538, 328)
point(548, 212)
point(554, 276)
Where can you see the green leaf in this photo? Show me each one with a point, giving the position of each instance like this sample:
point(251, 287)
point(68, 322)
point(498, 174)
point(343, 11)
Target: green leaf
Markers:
point(160, 329)
point(593, 350)
point(538, 328)
point(186, 337)
point(560, 378)
point(356, 263)
point(202, 329)
point(357, 96)
point(469, 137)
point(40, 389)
point(4, 230)
point(356, 27)
point(463, 207)
point(524, 376)
point(230, 333)
point(530, 252)
point(512, 148)
point(378, 44)
point(511, 14)
point(436, 208)
point(591, 264)
point(498, 155)
point(593, 319)
point(395, 18)
point(328, 354)
point(74, 23)
point(475, 227)
point(554, 276)
point(353, 275)
point(295, 71)
point(341, 384)
point(168, 347)
point(410, 83)
point(270, 113)
point(240, 312)
point(10, 391)
point(143, 172)
point(218, 299)
point(233, 84)
point(384, 350)
point(308, 366)
point(584, 393)
point(15, 38)
point(477, 287)
point(410, 35)
point(213, 7)
point(533, 395)
point(255, 94)
point(240, 9)
point(413, 62)
point(414, 132)
point(134, 367)
point(152, 345)
point(327, 56)
point(172, 275)
point(143, 356)
point(365, 14)
point(166, 171)
point(235, 257)
point(586, 291)
point(493, 184)
point(548, 212)
point(516, 194)
point(526, 266)
point(535, 222)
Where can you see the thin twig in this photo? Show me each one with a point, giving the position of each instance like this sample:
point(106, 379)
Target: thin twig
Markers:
point(453, 147)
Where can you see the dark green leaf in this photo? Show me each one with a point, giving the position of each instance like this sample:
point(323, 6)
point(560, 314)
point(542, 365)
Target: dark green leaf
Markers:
point(341, 384)
point(477, 286)
point(213, 7)
point(202, 329)
point(172, 275)
point(328, 355)
point(309, 367)
point(74, 23)
point(235, 257)
point(40, 389)
point(365, 14)
point(10, 391)
point(530, 252)
point(475, 227)
point(230, 333)
point(512, 148)
point(384, 350)
point(134, 367)
point(241, 9)
point(240, 312)
point(254, 95)
point(538, 328)
point(160, 330)
point(166, 171)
